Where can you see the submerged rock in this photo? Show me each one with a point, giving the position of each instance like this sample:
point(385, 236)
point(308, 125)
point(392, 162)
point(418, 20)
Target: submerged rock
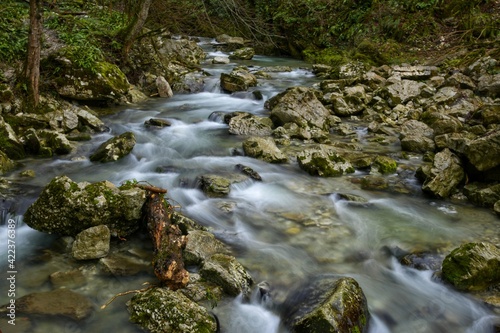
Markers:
point(91, 243)
point(473, 266)
point(327, 304)
point(114, 148)
point(161, 310)
point(67, 208)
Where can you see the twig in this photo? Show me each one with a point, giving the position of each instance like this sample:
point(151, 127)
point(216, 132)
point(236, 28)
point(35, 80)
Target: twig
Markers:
point(124, 294)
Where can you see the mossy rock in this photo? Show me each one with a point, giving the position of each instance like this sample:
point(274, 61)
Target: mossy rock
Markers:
point(473, 266)
point(161, 310)
point(114, 148)
point(385, 164)
point(6, 164)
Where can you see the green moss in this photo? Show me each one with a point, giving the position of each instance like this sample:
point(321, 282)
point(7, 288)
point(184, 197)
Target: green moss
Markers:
point(385, 164)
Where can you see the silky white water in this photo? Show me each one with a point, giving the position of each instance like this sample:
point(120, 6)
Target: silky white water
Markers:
point(285, 229)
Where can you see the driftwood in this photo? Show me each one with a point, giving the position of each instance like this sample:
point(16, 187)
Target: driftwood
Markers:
point(168, 241)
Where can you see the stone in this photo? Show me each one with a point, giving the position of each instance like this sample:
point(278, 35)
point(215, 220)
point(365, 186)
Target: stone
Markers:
point(201, 246)
point(69, 279)
point(156, 122)
point(265, 149)
point(374, 183)
point(489, 85)
point(244, 123)
point(446, 95)
point(246, 170)
point(60, 302)
point(229, 43)
point(461, 81)
point(245, 53)
point(161, 310)
point(402, 91)
point(114, 148)
point(445, 175)
point(416, 136)
point(327, 304)
point(6, 164)
point(91, 243)
point(484, 152)
point(323, 162)
point(482, 194)
point(496, 207)
point(124, 264)
point(55, 141)
point(472, 266)
point(225, 271)
point(164, 89)
point(384, 165)
point(9, 142)
point(181, 50)
point(416, 73)
point(221, 60)
point(65, 207)
point(215, 186)
point(239, 79)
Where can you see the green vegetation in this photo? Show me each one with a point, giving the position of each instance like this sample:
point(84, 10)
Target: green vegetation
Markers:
point(13, 30)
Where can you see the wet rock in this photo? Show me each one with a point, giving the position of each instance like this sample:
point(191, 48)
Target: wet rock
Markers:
point(249, 172)
point(216, 186)
point(482, 194)
point(441, 123)
point(60, 302)
point(28, 173)
point(164, 89)
point(445, 174)
point(384, 164)
point(9, 142)
point(484, 152)
point(496, 207)
point(245, 53)
point(69, 279)
point(416, 136)
point(374, 183)
point(67, 208)
point(472, 266)
point(481, 67)
point(156, 122)
point(264, 149)
point(244, 123)
point(161, 310)
point(350, 70)
point(226, 272)
point(114, 148)
point(123, 264)
point(220, 60)
point(106, 84)
point(298, 105)
point(423, 261)
point(202, 245)
point(6, 164)
point(327, 304)
point(240, 79)
point(56, 142)
point(323, 162)
point(229, 43)
point(91, 243)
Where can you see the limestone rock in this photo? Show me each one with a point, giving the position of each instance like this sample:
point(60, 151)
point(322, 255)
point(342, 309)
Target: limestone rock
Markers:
point(245, 53)
point(221, 60)
point(327, 304)
point(9, 142)
point(163, 87)
point(229, 43)
point(92, 243)
point(384, 164)
point(225, 271)
point(217, 186)
point(323, 162)
point(67, 208)
point(461, 81)
point(114, 148)
point(484, 152)
point(244, 123)
point(473, 266)
point(239, 79)
point(156, 122)
point(123, 264)
point(70, 279)
point(489, 85)
point(181, 50)
point(416, 136)
point(201, 246)
point(403, 91)
point(161, 310)
point(6, 164)
point(264, 149)
point(414, 72)
point(445, 175)
point(481, 194)
point(55, 141)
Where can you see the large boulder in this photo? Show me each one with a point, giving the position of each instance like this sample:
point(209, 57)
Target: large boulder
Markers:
point(489, 85)
point(182, 50)
point(299, 105)
point(240, 79)
point(416, 136)
point(245, 53)
point(402, 91)
point(327, 304)
point(225, 271)
point(229, 43)
point(201, 246)
point(243, 123)
point(65, 207)
point(323, 162)
point(473, 266)
point(416, 73)
point(161, 310)
point(105, 84)
point(264, 149)
point(484, 152)
point(114, 148)
point(445, 174)
point(482, 194)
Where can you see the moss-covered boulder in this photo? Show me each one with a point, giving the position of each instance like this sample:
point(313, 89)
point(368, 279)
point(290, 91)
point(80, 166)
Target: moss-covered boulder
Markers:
point(264, 149)
point(225, 271)
point(114, 148)
point(245, 53)
point(484, 152)
point(105, 83)
point(91, 243)
point(55, 142)
point(6, 164)
point(240, 79)
point(445, 174)
point(473, 266)
point(384, 164)
point(9, 142)
point(65, 207)
point(161, 310)
point(327, 304)
point(244, 123)
point(323, 162)
point(202, 245)
point(217, 186)
point(482, 194)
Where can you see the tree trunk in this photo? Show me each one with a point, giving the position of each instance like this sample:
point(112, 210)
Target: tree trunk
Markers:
point(32, 65)
point(168, 242)
point(135, 27)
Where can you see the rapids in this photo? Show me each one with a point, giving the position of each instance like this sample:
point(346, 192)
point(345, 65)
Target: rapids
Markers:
point(283, 230)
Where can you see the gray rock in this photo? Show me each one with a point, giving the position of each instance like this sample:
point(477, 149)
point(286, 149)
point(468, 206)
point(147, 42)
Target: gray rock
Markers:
point(239, 79)
point(202, 245)
point(55, 141)
point(351, 70)
point(481, 194)
point(460, 80)
point(164, 89)
point(416, 136)
point(156, 122)
point(489, 85)
point(327, 304)
point(414, 72)
point(217, 186)
point(220, 60)
point(91, 243)
point(384, 165)
point(70, 279)
point(473, 266)
point(10, 143)
point(67, 208)
point(245, 53)
point(481, 67)
point(445, 175)
point(60, 302)
point(446, 95)
point(264, 149)
point(161, 310)
point(123, 264)
point(182, 50)
point(323, 162)
point(114, 148)
point(244, 123)
point(229, 43)
point(496, 207)
point(484, 152)
point(225, 271)
point(441, 123)
point(403, 91)
point(374, 183)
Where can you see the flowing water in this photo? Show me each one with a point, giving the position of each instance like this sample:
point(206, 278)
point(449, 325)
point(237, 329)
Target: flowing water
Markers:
point(285, 229)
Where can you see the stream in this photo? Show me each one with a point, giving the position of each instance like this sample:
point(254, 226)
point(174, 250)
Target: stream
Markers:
point(285, 229)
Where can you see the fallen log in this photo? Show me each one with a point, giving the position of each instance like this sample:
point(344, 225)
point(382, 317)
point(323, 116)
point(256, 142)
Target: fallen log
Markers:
point(168, 241)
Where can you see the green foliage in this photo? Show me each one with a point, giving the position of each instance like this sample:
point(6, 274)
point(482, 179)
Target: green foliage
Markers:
point(13, 33)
